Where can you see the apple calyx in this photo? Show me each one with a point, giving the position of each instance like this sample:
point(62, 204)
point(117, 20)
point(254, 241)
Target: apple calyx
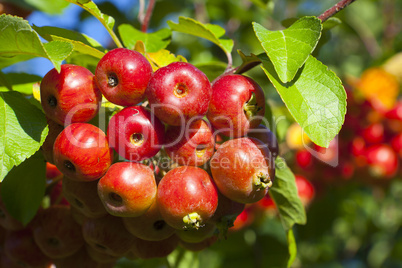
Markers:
point(251, 107)
point(180, 90)
point(192, 221)
point(112, 80)
point(262, 181)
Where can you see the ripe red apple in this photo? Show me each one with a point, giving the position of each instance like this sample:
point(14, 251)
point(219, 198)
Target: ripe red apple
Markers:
point(373, 133)
point(135, 133)
point(84, 197)
point(305, 189)
point(122, 76)
point(191, 144)
point(187, 197)
point(127, 189)
point(71, 95)
point(244, 219)
point(108, 235)
point(264, 134)
point(149, 226)
point(304, 159)
point(98, 256)
point(21, 249)
point(237, 105)
point(243, 169)
point(82, 152)
point(56, 232)
point(178, 92)
point(382, 160)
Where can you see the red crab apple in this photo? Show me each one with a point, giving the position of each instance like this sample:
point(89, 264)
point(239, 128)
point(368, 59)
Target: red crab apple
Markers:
point(135, 133)
point(243, 169)
point(191, 144)
point(108, 235)
point(373, 133)
point(81, 152)
point(122, 76)
point(237, 105)
point(21, 249)
point(187, 197)
point(178, 92)
point(382, 160)
point(128, 189)
point(56, 232)
point(149, 226)
point(396, 143)
point(71, 95)
point(206, 243)
point(84, 197)
point(305, 189)
point(196, 235)
point(81, 259)
point(99, 256)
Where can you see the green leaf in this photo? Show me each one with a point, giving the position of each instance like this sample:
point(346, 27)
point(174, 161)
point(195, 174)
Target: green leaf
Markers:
point(289, 49)
point(284, 193)
point(153, 41)
point(212, 69)
point(81, 42)
point(19, 42)
point(92, 8)
point(20, 82)
point(207, 31)
point(23, 129)
point(23, 188)
point(292, 247)
point(316, 99)
point(48, 6)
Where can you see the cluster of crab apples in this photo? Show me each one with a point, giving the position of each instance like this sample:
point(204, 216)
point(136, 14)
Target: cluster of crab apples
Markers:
point(175, 164)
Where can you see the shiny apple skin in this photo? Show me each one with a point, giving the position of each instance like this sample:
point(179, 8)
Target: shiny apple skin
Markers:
point(84, 197)
point(226, 108)
point(133, 183)
point(132, 71)
point(135, 120)
point(56, 232)
point(71, 95)
point(86, 148)
point(234, 166)
point(185, 190)
point(172, 108)
point(190, 145)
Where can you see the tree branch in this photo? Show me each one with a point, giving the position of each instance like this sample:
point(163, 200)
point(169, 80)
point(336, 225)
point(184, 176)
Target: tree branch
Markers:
point(335, 9)
point(147, 18)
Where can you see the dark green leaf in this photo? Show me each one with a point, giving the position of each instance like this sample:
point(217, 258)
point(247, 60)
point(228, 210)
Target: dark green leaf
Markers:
point(20, 82)
point(19, 42)
point(153, 41)
point(81, 42)
point(207, 31)
point(316, 99)
point(23, 129)
point(23, 188)
point(289, 49)
point(284, 193)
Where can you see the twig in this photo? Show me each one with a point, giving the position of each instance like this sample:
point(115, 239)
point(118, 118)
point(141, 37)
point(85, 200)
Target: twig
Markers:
point(147, 18)
point(335, 9)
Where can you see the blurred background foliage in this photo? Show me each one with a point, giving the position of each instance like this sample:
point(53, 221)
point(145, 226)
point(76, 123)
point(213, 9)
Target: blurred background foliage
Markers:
point(353, 223)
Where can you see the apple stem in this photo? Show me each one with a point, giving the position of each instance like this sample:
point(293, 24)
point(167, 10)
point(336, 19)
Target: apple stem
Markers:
point(251, 107)
point(224, 224)
point(262, 181)
point(192, 221)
